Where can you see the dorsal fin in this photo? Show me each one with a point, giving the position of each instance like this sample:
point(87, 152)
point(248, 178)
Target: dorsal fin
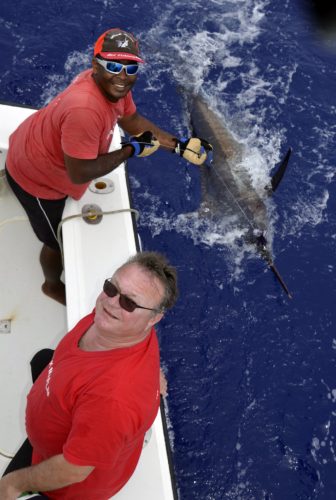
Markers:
point(276, 178)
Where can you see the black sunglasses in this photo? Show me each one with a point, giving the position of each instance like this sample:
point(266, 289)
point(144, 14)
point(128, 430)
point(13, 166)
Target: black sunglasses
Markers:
point(125, 302)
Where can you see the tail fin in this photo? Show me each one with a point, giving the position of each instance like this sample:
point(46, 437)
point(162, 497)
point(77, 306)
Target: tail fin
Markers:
point(277, 177)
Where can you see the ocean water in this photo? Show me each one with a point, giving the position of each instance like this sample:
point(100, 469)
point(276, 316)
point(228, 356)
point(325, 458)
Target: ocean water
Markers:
point(252, 386)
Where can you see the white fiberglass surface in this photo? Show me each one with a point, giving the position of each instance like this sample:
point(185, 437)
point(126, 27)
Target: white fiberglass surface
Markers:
point(30, 321)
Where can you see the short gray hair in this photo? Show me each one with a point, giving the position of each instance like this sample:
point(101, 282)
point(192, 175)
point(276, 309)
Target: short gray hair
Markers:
point(158, 266)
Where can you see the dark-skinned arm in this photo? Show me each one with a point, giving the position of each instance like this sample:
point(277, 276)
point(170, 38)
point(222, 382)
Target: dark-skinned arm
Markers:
point(136, 124)
point(51, 474)
point(81, 171)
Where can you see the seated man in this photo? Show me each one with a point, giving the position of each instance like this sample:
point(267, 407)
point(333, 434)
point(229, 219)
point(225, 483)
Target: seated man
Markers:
point(88, 411)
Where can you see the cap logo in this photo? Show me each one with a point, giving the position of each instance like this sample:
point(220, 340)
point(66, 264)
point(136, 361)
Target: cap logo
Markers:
point(125, 41)
point(122, 43)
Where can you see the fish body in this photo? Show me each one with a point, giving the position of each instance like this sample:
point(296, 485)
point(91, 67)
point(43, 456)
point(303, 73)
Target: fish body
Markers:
point(227, 191)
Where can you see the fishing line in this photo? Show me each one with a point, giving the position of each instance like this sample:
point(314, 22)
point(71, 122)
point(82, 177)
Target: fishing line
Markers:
point(197, 153)
point(235, 200)
point(224, 184)
point(5, 454)
point(269, 261)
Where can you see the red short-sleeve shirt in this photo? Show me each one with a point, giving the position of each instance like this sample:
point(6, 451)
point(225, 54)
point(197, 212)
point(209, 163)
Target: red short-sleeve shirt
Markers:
point(94, 407)
point(79, 122)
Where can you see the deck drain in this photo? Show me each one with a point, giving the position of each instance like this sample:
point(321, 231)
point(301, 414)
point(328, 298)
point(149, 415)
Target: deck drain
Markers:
point(5, 325)
point(103, 185)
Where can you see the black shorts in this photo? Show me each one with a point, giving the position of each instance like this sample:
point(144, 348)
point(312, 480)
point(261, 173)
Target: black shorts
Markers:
point(44, 215)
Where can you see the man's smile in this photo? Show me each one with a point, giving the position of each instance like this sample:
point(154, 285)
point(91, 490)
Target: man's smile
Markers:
point(109, 313)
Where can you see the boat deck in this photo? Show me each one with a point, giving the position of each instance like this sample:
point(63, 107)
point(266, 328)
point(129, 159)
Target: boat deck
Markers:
point(30, 321)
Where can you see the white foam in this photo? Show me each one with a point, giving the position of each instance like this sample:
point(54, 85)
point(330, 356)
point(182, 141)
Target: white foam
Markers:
point(308, 210)
point(74, 64)
point(193, 56)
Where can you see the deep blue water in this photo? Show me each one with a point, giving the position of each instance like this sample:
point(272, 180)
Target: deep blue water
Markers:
point(252, 390)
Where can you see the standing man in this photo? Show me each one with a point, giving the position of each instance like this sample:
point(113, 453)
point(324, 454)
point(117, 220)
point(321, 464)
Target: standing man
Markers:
point(58, 150)
point(88, 411)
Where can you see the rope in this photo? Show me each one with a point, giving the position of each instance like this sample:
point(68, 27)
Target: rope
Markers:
point(5, 454)
point(17, 218)
point(90, 214)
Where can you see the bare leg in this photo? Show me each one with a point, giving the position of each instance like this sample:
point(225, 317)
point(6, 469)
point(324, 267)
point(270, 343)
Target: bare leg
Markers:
point(52, 266)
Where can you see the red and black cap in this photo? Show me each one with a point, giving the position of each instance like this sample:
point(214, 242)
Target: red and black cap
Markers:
point(117, 44)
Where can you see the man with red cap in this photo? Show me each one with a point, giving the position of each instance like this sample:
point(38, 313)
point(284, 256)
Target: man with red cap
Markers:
point(58, 150)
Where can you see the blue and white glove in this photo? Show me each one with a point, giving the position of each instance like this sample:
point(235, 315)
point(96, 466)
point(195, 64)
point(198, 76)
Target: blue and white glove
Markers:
point(194, 149)
point(144, 144)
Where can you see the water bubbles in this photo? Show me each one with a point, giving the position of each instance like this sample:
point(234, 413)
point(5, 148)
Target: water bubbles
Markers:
point(316, 443)
point(332, 395)
point(75, 63)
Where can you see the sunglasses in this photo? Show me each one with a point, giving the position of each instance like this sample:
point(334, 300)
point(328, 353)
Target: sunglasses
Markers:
point(125, 302)
point(116, 68)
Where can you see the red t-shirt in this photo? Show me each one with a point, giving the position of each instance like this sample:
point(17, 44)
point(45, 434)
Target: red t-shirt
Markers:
point(79, 122)
point(94, 407)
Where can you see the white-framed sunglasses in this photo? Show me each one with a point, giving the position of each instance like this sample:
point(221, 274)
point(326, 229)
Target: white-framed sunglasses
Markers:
point(115, 67)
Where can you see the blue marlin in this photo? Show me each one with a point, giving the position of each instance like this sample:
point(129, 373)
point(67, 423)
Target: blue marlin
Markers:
point(227, 191)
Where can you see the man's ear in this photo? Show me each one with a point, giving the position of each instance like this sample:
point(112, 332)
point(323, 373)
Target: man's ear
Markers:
point(95, 66)
point(155, 319)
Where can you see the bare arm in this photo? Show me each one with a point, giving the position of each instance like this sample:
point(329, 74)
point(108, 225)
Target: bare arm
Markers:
point(51, 474)
point(136, 124)
point(81, 171)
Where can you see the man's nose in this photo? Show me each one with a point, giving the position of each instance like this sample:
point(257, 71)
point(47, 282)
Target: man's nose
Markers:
point(115, 299)
point(123, 74)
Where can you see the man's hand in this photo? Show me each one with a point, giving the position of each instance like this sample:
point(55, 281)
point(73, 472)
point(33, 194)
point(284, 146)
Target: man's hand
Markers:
point(163, 385)
point(144, 144)
point(51, 474)
point(7, 490)
point(195, 149)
